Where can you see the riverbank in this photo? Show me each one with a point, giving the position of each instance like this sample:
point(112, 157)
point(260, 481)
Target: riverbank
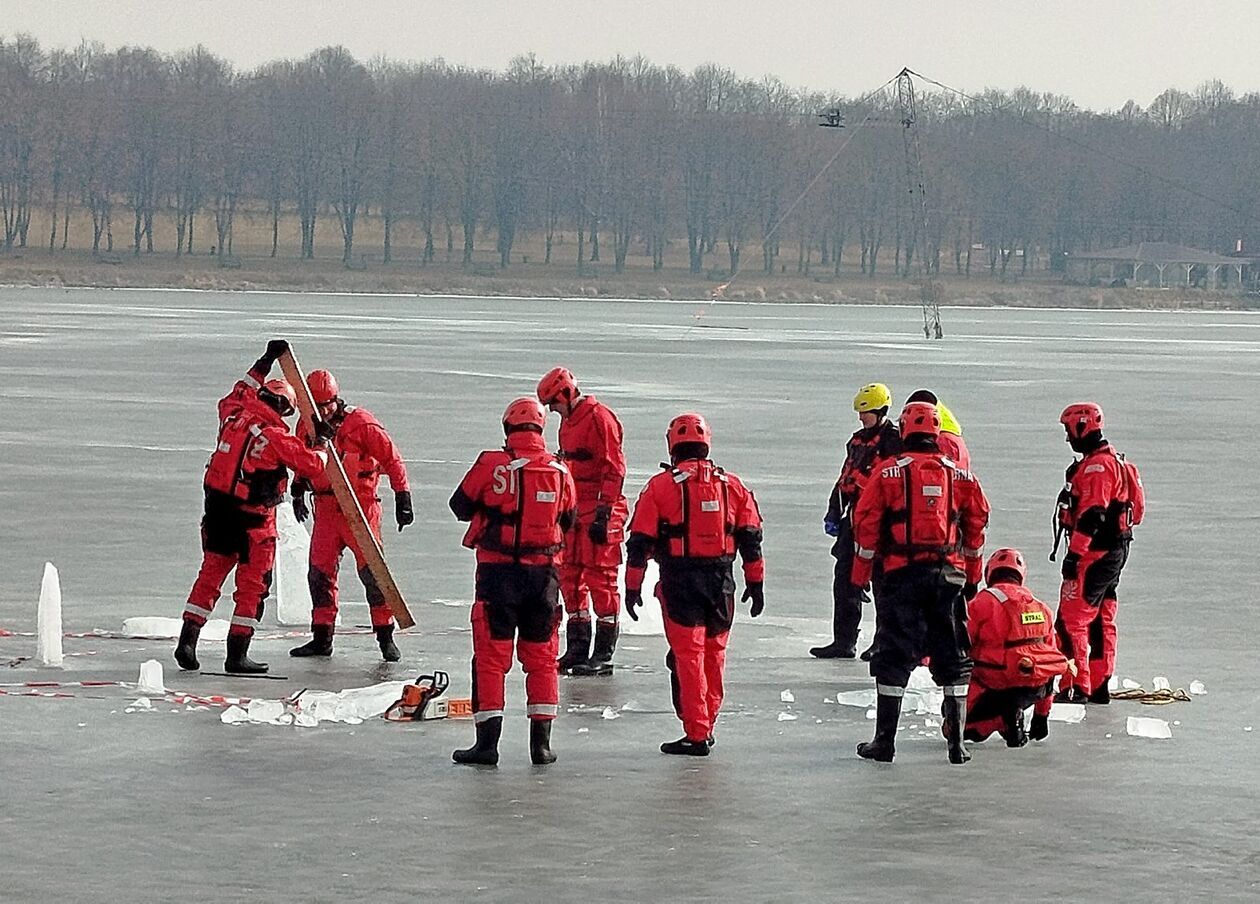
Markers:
point(79, 269)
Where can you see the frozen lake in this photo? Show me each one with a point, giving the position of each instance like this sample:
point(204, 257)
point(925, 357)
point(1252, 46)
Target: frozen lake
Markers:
point(107, 402)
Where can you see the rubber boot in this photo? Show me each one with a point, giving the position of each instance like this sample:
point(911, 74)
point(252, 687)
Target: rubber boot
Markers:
point(684, 746)
point(238, 661)
point(1072, 694)
point(577, 644)
point(1039, 730)
point(600, 662)
point(485, 752)
point(540, 742)
point(320, 643)
point(1014, 733)
point(866, 654)
point(833, 650)
point(186, 649)
point(882, 747)
point(1102, 693)
point(385, 639)
point(954, 709)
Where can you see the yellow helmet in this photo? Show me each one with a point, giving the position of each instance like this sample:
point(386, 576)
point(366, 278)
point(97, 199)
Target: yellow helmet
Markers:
point(871, 397)
point(949, 423)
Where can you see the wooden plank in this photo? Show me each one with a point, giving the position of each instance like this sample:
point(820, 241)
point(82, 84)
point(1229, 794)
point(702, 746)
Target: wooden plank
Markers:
point(347, 501)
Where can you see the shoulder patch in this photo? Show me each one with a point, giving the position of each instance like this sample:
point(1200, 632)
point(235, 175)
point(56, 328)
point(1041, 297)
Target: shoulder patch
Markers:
point(1094, 469)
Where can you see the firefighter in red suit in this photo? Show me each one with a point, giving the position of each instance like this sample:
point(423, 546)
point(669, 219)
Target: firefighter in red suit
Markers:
point(1099, 505)
point(1016, 658)
point(925, 519)
point(367, 452)
point(950, 442)
point(693, 517)
point(520, 501)
point(245, 481)
point(590, 444)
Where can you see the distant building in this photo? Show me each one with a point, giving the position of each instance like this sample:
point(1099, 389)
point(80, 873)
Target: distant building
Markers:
point(1158, 265)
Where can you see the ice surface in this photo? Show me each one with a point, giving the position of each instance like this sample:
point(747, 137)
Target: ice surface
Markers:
point(159, 626)
point(1147, 727)
point(150, 680)
point(48, 618)
point(293, 548)
point(1067, 712)
point(1198, 688)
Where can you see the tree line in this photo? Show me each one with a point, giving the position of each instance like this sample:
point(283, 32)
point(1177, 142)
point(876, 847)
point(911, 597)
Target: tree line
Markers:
point(628, 157)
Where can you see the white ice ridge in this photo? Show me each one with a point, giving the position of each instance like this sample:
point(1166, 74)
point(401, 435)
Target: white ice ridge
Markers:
point(650, 621)
point(923, 697)
point(161, 627)
point(293, 550)
point(350, 706)
point(48, 618)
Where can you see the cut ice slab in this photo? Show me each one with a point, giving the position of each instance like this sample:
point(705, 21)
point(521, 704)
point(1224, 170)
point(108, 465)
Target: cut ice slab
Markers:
point(1067, 712)
point(786, 696)
point(1198, 688)
point(1147, 727)
point(150, 680)
point(48, 618)
point(650, 622)
point(154, 626)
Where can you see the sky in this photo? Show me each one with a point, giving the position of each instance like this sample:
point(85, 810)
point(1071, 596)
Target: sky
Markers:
point(1101, 53)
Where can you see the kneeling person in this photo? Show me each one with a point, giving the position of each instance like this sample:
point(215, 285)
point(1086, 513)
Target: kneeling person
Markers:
point(1014, 652)
point(520, 501)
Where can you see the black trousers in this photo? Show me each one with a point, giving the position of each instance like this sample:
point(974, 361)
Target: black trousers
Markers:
point(920, 612)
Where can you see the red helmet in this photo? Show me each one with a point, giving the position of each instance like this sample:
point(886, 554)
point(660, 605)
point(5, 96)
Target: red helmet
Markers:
point(558, 383)
point(920, 417)
point(323, 385)
point(1082, 419)
point(1006, 558)
point(688, 428)
point(524, 413)
point(280, 396)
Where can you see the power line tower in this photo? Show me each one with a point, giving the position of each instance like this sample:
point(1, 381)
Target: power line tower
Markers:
point(930, 291)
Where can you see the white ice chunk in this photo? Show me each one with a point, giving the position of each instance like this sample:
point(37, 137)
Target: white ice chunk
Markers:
point(293, 550)
point(1130, 685)
point(828, 700)
point(870, 714)
point(863, 699)
point(1147, 727)
point(1113, 683)
point(305, 720)
point(150, 680)
point(583, 730)
point(233, 715)
point(650, 622)
point(610, 713)
point(1161, 683)
point(155, 626)
point(1067, 712)
point(48, 618)
point(1198, 688)
point(141, 703)
point(787, 717)
point(786, 697)
point(264, 710)
point(634, 706)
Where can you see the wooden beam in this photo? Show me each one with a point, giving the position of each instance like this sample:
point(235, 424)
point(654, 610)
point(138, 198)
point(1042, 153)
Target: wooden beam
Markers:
point(360, 532)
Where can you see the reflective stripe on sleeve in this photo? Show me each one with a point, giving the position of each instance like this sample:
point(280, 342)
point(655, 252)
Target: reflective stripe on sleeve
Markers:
point(864, 553)
point(955, 690)
point(999, 595)
point(971, 553)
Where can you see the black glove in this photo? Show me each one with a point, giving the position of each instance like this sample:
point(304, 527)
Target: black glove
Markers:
point(324, 431)
point(755, 592)
point(598, 531)
point(1071, 562)
point(300, 511)
point(403, 513)
point(969, 591)
point(275, 348)
point(1039, 729)
point(634, 599)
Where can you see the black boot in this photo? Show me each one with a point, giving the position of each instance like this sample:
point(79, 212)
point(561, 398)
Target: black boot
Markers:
point(1039, 730)
point(684, 746)
point(186, 649)
point(600, 662)
point(1072, 694)
point(238, 661)
point(1014, 733)
point(887, 714)
point(866, 654)
point(833, 650)
point(320, 643)
point(954, 709)
point(540, 742)
point(385, 639)
point(486, 751)
point(578, 644)
point(1102, 693)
